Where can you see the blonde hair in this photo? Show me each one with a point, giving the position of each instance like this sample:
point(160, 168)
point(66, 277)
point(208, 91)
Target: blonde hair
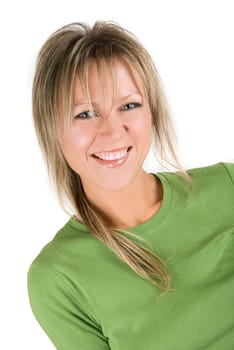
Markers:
point(65, 55)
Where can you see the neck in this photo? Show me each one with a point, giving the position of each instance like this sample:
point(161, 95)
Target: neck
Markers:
point(129, 207)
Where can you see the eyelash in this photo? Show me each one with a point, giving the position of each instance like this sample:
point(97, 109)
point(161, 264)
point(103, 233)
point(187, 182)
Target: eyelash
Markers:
point(89, 114)
point(132, 105)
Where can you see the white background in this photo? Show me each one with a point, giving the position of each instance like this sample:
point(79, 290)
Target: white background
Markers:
point(192, 45)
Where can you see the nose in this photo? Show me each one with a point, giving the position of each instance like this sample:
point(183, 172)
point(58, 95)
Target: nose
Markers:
point(112, 126)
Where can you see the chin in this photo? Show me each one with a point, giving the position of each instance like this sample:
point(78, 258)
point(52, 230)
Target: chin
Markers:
point(113, 183)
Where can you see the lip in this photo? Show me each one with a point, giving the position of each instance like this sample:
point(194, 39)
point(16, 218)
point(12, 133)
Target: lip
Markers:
point(113, 163)
point(112, 150)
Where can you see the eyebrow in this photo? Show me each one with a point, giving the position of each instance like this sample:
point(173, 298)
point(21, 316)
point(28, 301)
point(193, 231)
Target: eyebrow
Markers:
point(121, 99)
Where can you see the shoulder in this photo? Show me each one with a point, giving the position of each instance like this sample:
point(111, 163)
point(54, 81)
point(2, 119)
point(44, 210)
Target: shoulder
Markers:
point(209, 201)
point(219, 171)
point(58, 298)
point(214, 180)
point(212, 187)
point(210, 175)
point(69, 256)
point(57, 273)
point(70, 245)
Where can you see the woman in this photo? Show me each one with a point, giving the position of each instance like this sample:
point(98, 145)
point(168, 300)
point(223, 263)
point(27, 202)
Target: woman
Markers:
point(146, 260)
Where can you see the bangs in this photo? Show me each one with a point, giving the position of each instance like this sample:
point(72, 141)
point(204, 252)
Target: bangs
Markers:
point(73, 66)
point(80, 74)
point(105, 67)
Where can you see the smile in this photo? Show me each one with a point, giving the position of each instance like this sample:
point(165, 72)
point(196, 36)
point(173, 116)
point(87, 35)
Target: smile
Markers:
point(112, 158)
point(112, 155)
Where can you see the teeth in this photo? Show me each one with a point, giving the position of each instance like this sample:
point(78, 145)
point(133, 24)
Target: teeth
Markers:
point(111, 155)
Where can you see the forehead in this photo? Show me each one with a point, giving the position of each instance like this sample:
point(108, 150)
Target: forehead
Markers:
point(105, 78)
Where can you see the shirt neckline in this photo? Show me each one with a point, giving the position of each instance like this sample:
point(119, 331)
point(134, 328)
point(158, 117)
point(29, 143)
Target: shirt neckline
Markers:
point(156, 219)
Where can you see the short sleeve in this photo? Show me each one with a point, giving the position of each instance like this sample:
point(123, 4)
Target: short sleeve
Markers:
point(230, 169)
point(57, 308)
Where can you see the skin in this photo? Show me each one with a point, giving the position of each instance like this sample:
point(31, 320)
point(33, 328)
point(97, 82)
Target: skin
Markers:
point(119, 121)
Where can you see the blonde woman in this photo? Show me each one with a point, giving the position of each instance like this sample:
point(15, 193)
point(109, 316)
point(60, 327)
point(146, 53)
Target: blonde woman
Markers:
point(145, 260)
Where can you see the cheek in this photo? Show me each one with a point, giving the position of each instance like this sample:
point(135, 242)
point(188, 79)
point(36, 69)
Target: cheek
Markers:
point(143, 127)
point(75, 144)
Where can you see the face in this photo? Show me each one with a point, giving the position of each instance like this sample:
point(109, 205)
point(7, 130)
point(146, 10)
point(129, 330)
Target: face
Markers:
point(106, 145)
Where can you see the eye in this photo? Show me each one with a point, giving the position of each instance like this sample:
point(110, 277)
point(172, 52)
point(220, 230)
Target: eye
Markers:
point(86, 115)
point(130, 106)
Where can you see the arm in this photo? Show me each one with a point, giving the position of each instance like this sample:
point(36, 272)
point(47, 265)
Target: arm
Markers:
point(59, 310)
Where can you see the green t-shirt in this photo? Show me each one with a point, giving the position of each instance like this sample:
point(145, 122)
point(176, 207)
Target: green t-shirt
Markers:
point(86, 298)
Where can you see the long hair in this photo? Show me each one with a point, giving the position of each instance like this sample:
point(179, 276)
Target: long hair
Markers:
point(65, 55)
